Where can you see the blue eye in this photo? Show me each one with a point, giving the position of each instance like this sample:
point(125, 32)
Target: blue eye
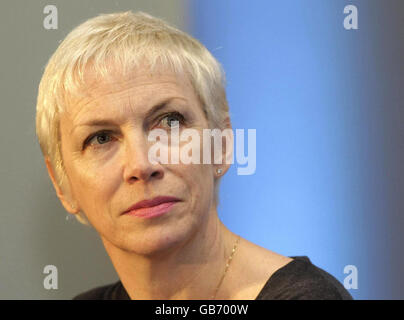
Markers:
point(98, 138)
point(172, 118)
point(102, 138)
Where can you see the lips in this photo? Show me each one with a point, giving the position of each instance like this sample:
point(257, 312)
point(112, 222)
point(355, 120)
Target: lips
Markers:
point(151, 203)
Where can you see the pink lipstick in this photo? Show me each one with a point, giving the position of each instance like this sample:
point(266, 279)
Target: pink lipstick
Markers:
point(152, 208)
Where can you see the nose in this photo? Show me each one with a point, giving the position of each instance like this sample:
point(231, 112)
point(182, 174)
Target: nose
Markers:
point(137, 166)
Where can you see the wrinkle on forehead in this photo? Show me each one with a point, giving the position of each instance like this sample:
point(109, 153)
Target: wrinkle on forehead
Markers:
point(115, 82)
point(116, 79)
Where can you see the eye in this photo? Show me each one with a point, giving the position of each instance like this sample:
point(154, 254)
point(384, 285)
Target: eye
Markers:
point(98, 138)
point(170, 119)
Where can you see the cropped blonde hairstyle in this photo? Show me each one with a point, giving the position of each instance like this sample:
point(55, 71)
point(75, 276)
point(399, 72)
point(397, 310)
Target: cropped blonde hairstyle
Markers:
point(124, 40)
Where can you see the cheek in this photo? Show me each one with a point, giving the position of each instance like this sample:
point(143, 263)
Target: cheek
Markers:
point(199, 181)
point(93, 183)
point(198, 176)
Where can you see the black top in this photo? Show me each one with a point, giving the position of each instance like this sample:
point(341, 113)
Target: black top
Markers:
point(297, 280)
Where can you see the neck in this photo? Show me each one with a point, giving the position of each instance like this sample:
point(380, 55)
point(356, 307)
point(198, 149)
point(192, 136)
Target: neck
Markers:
point(189, 270)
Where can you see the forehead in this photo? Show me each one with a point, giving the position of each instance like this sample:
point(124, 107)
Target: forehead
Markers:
point(140, 88)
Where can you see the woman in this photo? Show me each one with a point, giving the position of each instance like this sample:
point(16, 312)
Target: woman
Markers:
point(113, 81)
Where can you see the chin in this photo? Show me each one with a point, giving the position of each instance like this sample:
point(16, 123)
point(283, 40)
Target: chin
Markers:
point(155, 242)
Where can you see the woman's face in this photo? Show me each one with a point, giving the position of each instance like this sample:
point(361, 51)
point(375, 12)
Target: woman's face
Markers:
point(105, 148)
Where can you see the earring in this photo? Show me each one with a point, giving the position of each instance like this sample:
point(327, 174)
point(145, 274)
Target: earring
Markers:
point(219, 171)
point(73, 206)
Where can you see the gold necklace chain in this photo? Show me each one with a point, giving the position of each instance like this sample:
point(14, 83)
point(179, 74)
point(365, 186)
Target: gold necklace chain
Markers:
point(227, 267)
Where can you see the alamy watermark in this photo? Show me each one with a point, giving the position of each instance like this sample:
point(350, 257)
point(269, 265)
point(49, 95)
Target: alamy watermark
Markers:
point(351, 280)
point(51, 20)
point(190, 147)
point(50, 282)
point(351, 20)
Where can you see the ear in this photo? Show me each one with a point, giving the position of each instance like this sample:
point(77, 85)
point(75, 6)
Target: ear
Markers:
point(65, 198)
point(227, 150)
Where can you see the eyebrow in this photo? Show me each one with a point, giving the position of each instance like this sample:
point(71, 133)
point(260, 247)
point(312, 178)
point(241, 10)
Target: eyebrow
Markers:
point(105, 122)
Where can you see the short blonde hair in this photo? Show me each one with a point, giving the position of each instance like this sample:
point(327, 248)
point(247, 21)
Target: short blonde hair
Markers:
point(124, 39)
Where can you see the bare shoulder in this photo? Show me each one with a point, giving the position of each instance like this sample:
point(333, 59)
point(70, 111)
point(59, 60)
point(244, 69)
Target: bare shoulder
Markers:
point(253, 266)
